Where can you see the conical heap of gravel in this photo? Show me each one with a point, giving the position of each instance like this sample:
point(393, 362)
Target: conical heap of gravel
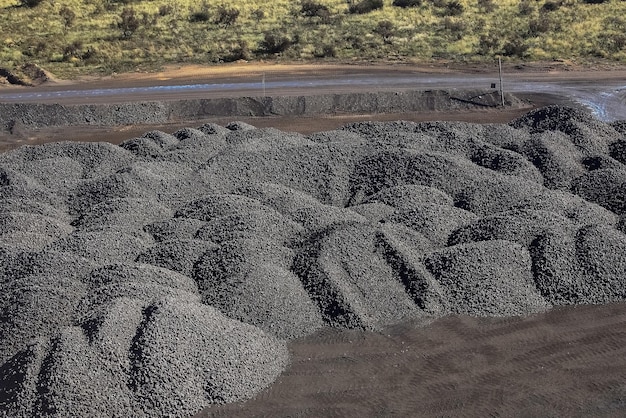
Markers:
point(154, 278)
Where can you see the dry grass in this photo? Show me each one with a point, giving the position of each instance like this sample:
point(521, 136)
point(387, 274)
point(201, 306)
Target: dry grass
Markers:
point(184, 31)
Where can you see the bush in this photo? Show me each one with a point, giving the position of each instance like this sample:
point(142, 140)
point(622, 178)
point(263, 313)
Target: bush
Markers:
point(595, 1)
point(453, 8)
point(551, 6)
point(199, 16)
point(542, 24)
point(165, 9)
point(258, 15)
point(488, 43)
point(274, 43)
point(226, 16)
point(73, 50)
point(515, 48)
point(129, 23)
point(148, 20)
point(365, 6)
point(407, 3)
point(525, 7)
point(456, 27)
point(312, 9)
point(30, 3)
point(326, 51)
point(487, 6)
point(68, 16)
point(385, 29)
point(355, 42)
point(240, 52)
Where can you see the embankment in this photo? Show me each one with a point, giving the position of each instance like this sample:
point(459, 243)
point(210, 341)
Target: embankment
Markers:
point(27, 116)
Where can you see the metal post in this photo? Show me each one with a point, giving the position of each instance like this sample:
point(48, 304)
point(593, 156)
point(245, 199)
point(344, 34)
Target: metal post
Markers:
point(500, 71)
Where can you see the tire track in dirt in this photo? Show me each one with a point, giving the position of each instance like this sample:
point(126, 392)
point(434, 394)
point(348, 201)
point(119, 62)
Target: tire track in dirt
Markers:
point(570, 361)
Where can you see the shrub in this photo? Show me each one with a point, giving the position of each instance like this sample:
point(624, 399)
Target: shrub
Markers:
point(488, 43)
point(73, 50)
point(455, 26)
point(199, 16)
point(148, 20)
point(30, 3)
point(240, 52)
point(487, 6)
point(258, 15)
point(165, 9)
point(365, 6)
point(274, 43)
point(515, 48)
point(312, 9)
point(595, 1)
point(453, 8)
point(129, 22)
point(326, 51)
point(68, 16)
point(525, 7)
point(407, 3)
point(611, 42)
point(542, 24)
point(355, 41)
point(226, 16)
point(385, 29)
point(551, 6)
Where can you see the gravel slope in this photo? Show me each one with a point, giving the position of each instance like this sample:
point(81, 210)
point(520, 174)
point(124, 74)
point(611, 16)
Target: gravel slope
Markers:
point(159, 276)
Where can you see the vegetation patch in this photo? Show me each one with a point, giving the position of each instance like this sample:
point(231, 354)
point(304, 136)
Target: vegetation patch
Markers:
point(72, 37)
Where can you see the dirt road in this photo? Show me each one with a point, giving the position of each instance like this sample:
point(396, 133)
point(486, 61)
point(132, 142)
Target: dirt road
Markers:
point(602, 91)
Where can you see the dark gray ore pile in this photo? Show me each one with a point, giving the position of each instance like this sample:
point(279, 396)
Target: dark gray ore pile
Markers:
point(157, 277)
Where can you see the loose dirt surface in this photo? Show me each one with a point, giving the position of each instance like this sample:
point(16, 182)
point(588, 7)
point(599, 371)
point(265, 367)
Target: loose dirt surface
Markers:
point(303, 125)
point(570, 362)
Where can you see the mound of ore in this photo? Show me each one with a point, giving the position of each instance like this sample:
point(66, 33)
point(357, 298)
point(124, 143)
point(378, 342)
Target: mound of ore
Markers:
point(160, 276)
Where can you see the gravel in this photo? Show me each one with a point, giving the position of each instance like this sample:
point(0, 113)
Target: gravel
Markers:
point(168, 273)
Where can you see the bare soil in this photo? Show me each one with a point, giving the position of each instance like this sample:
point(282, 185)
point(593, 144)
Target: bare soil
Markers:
point(303, 125)
point(570, 362)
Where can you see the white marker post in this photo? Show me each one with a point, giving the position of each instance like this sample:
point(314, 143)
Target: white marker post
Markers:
point(500, 71)
point(263, 82)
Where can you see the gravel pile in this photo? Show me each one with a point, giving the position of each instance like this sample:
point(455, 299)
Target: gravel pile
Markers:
point(156, 277)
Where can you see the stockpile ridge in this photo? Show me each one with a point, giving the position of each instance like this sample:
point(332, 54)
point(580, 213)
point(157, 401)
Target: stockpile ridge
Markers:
point(166, 274)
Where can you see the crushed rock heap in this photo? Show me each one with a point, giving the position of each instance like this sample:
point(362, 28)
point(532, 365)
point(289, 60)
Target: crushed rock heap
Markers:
point(160, 276)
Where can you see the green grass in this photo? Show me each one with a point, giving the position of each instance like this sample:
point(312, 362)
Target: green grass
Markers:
point(94, 43)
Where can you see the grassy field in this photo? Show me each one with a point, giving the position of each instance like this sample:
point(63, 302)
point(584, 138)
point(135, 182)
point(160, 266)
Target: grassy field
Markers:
point(72, 37)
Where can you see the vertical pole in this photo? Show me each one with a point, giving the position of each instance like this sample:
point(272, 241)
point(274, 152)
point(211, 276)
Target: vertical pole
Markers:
point(500, 71)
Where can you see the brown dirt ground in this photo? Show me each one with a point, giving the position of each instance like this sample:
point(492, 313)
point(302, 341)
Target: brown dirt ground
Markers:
point(303, 125)
point(570, 362)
